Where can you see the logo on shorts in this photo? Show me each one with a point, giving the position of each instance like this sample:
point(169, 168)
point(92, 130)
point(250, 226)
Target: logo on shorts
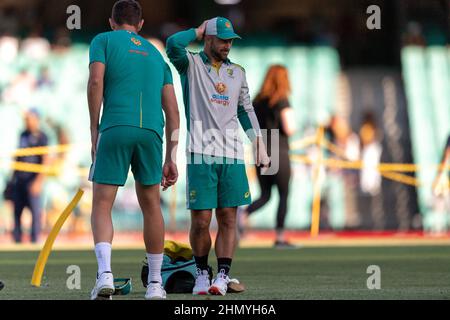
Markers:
point(136, 41)
point(192, 195)
point(247, 194)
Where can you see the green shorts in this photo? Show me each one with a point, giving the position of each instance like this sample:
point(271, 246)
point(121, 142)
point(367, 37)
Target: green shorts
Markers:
point(212, 183)
point(120, 146)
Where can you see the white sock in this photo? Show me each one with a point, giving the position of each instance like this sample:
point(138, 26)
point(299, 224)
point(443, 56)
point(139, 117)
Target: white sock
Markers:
point(154, 267)
point(103, 253)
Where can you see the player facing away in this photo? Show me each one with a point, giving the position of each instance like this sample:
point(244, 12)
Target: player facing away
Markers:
point(130, 77)
point(216, 99)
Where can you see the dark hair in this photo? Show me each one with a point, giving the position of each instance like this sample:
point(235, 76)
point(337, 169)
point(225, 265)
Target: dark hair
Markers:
point(127, 12)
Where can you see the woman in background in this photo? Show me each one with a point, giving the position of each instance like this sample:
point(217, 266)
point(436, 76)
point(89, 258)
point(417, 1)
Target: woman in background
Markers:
point(274, 113)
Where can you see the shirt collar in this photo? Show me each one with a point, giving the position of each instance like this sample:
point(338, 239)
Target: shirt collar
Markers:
point(206, 60)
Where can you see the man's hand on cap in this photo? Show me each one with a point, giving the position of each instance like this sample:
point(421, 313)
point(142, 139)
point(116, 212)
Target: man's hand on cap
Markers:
point(200, 31)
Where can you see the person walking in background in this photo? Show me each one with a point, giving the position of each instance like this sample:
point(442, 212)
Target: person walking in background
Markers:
point(133, 81)
point(274, 113)
point(370, 177)
point(27, 186)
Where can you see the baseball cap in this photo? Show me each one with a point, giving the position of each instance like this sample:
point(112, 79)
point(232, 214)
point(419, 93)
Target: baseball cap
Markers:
point(221, 28)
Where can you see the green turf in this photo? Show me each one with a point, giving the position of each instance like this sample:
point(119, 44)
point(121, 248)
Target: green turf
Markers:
point(309, 273)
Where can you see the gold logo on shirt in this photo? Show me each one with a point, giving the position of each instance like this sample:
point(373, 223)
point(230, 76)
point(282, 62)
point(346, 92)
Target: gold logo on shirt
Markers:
point(221, 87)
point(136, 41)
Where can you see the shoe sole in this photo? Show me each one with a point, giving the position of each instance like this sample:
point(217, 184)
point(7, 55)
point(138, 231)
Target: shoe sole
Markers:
point(215, 291)
point(200, 293)
point(155, 298)
point(105, 293)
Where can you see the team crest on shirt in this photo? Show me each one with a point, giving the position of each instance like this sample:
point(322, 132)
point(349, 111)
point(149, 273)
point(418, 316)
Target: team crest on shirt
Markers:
point(230, 73)
point(136, 41)
point(221, 87)
point(220, 98)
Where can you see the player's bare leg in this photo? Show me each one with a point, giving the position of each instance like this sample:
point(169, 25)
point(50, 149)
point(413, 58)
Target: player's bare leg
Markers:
point(224, 246)
point(150, 203)
point(226, 234)
point(101, 220)
point(199, 235)
point(103, 232)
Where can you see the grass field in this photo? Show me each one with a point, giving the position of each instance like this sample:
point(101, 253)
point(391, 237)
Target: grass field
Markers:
point(409, 272)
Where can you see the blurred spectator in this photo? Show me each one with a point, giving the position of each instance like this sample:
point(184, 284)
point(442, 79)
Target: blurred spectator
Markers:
point(20, 88)
point(370, 177)
point(44, 80)
point(441, 194)
point(274, 113)
point(62, 41)
point(35, 46)
point(413, 35)
point(9, 47)
point(348, 142)
point(28, 186)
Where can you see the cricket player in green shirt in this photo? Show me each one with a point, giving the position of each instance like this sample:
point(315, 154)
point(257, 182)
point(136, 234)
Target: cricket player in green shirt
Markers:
point(216, 100)
point(131, 78)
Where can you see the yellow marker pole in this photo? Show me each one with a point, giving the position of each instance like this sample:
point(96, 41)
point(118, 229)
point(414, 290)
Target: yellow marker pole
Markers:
point(45, 252)
point(315, 216)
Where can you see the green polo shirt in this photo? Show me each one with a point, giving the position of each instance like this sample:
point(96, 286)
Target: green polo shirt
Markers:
point(135, 74)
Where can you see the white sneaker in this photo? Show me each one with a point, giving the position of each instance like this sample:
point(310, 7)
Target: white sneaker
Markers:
point(220, 284)
point(104, 287)
point(155, 291)
point(202, 283)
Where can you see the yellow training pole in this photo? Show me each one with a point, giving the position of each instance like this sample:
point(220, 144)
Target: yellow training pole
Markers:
point(315, 216)
point(43, 256)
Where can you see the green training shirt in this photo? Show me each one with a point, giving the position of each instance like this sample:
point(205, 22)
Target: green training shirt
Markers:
point(135, 73)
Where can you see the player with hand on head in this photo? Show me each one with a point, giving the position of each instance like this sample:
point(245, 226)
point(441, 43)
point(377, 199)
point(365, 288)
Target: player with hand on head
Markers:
point(216, 98)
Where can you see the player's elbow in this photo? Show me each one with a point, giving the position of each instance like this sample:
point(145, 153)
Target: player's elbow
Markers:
point(95, 82)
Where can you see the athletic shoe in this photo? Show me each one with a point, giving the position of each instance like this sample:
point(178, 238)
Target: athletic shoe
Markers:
point(202, 282)
point(220, 284)
point(155, 291)
point(104, 287)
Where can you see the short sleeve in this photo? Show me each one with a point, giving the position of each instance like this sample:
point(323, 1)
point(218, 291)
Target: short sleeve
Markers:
point(282, 104)
point(97, 49)
point(167, 74)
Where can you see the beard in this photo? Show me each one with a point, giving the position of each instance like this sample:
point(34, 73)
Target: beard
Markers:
point(221, 55)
